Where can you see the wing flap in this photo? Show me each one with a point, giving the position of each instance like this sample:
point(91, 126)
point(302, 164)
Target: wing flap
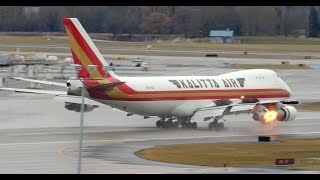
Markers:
point(242, 107)
point(214, 111)
point(210, 111)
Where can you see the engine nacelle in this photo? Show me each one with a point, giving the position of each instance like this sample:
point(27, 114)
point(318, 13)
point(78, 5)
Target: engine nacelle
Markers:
point(285, 113)
point(74, 87)
point(258, 116)
point(77, 107)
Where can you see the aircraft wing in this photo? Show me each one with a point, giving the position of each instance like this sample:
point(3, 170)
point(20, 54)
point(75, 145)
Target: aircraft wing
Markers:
point(228, 106)
point(87, 101)
point(77, 100)
point(41, 81)
point(224, 109)
point(59, 95)
point(36, 91)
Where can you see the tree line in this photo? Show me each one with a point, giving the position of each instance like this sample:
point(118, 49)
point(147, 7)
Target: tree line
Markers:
point(190, 21)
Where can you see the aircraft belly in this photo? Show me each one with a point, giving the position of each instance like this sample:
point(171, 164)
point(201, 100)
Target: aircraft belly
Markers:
point(145, 108)
point(159, 108)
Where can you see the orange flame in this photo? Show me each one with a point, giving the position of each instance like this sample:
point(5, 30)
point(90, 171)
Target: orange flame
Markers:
point(270, 116)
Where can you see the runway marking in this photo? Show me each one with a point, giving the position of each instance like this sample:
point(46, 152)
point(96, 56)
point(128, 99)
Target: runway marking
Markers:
point(152, 139)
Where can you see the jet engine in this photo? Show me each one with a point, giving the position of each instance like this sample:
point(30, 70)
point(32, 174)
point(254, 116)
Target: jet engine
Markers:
point(285, 113)
point(74, 87)
point(77, 107)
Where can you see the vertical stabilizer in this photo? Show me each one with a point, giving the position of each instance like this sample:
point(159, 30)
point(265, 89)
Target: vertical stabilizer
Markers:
point(84, 52)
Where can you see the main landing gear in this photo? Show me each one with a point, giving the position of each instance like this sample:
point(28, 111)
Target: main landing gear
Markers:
point(216, 125)
point(187, 124)
point(162, 123)
point(170, 123)
point(175, 122)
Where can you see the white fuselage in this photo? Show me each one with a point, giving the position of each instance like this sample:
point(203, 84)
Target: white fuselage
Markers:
point(183, 104)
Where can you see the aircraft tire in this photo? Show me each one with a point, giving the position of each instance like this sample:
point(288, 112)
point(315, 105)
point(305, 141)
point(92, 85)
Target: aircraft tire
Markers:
point(211, 125)
point(159, 124)
point(165, 125)
point(194, 125)
point(219, 126)
point(189, 125)
point(185, 125)
point(175, 124)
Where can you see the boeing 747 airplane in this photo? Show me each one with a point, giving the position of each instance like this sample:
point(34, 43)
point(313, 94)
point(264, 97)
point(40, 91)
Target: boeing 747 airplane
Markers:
point(176, 100)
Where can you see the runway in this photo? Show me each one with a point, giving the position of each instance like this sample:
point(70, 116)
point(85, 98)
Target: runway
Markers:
point(38, 135)
point(42, 137)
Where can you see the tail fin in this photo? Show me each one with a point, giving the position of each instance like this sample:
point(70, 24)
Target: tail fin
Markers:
point(84, 52)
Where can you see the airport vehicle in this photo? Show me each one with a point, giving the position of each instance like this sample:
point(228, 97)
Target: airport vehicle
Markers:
point(176, 100)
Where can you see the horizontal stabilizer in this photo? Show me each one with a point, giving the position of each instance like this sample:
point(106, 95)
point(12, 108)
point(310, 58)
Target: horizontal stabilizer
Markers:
point(108, 86)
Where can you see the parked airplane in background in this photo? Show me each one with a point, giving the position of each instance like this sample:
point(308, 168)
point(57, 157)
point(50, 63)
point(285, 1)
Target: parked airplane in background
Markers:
point(174, 99)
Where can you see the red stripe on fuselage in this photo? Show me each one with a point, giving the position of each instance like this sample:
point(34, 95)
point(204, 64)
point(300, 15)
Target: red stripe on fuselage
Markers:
point(85, 47)
point(102, 96)
point(128, 90)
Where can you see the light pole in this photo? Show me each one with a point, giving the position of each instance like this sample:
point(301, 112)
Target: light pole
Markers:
point(91, 68)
